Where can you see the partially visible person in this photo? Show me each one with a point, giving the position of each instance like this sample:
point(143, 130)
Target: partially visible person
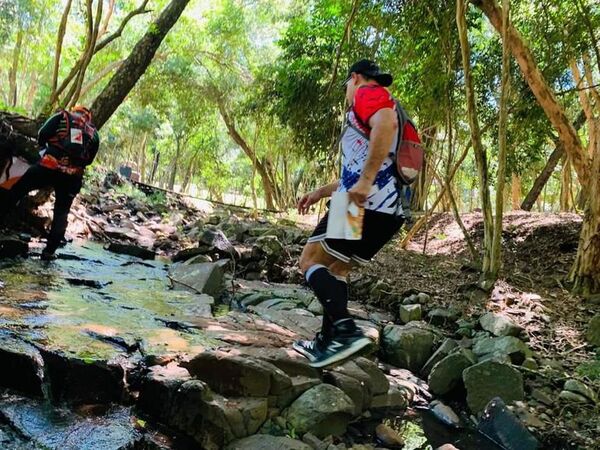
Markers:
point(368, 174)
point(70, 142)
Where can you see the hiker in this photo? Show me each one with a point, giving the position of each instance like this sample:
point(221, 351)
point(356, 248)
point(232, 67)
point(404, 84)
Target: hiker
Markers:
point(70, 142)
point(368, 142)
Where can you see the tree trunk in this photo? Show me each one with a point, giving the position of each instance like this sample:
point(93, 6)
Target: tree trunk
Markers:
point(136, 63)
point(143, 158)
point(175, 164)
point(544, 176)
point(515, 188)
point(544, 95)
point(585, 273)
point(480, 153)
point(14, 69)
point(565, 186)
point(59, 42)
point(239, 140)
point(496, 260)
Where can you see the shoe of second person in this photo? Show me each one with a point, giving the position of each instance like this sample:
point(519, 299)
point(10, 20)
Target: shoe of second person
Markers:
point(347, 341)
point(307, 347)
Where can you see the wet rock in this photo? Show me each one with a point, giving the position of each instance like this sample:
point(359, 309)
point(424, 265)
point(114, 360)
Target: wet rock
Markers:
point(582, 389)
point(131, 250)
point(11, 247)
point(204, 278)
point(442, 316)
point(388, 437)
point(445, 414)
point(323, 410)
point(21, 366)
point(489, 348)
point(266, 442)
point(158, 389)
point(55, 428)
point(240, 376)
point(500, 425)
point(409, 313)
point(447, 447)
point(593, 331)
point(489, 379)
point(499, 325)
point(408, 346)
point(76, 380)
point(573, 397)
point(213, 420)
point(444, 350)
point(446, 375)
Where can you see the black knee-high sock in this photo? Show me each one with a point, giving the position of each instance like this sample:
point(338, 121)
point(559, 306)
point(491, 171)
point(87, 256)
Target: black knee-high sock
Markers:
point(331, 292)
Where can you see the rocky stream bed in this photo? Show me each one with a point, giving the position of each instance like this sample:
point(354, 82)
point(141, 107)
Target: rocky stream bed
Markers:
point(116, 346)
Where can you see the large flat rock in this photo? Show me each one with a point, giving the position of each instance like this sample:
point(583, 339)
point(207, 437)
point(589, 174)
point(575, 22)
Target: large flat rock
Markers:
point(52, 428)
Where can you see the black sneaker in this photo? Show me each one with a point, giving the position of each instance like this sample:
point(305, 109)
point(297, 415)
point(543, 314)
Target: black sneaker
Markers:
point(307, 347)
point(347, 340)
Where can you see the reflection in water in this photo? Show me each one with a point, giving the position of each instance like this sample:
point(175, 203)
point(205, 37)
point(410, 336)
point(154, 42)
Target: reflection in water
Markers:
point(111, 301)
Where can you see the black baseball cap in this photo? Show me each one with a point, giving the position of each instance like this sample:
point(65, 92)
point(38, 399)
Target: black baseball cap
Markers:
point(371, 70)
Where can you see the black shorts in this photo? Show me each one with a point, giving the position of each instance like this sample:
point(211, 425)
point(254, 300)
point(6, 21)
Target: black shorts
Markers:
point(378, 230)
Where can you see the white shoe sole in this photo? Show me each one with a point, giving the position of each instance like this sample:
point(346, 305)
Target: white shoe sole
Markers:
point(340, 356)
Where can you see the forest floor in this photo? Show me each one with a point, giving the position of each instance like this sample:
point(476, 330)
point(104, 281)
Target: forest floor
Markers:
point(538, 251)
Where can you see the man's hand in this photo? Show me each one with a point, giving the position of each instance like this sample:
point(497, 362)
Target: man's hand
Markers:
point(308, 200)
point(359, 192)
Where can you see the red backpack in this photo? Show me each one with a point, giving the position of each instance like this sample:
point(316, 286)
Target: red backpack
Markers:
point(409, 152)
point(75, 139)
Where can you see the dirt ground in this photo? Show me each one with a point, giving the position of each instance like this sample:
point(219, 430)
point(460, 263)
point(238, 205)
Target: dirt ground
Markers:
point(538, 251)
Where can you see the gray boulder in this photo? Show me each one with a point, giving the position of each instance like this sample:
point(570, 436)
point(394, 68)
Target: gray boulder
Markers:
point(444, 350)
point(489, 379)
point(266, 442)
point(323, 410)
point(447, 374)
point(441, 316)
point(502, 347)
point(499, 325)
point(582, 389)
point(205, 278)
point(593, 331)
point(408, 346)
point(408, 313)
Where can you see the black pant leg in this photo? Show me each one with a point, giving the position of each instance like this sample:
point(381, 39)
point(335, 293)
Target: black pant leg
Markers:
point(66, 188)
point(36, 177)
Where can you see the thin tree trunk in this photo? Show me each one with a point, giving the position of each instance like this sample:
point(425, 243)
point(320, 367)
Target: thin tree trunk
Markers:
point(480, 154)
point(419, 223)
point(345, 36)
point(175, 163)
point(98, 77)
point(59, 43)
point(496, 261)
point(565, 185)
point(239, 140)
point(143, 158)
point(544, 176)
point(544, 95)
point(14, 68)
point(136, 63)
point(515, 188)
